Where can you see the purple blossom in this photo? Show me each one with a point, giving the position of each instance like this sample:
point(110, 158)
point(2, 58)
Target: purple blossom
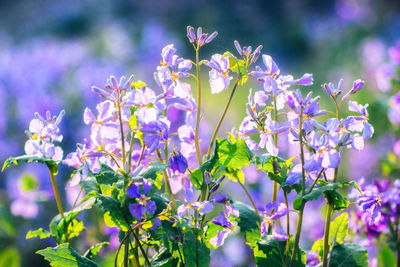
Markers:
point(202, 38)
point(394, 53)
point(113, 87)
point(154, 132)
point(178, 162)
point(357, 85)
point(219, 73)
point(272, 212)
point(370, 205)
point(331, 90)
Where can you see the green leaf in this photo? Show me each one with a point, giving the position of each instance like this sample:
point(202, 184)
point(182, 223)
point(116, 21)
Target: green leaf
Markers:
point(233, 156)
point(107, 175)
point(10, 257)
point(349, 255)
point(64, 256)
point(51, 164)
point(68, 227)
point(164, 259)
point(339, 228)
point(153, 169)
point(196, 178)
point(339, 202)
point(38, 233)
point(193, 256)
point(247, 221)
point(94, 250)
point(317, 191)
point(271, 252)
point(114, 215)
point(386, 257)
point(89, 184)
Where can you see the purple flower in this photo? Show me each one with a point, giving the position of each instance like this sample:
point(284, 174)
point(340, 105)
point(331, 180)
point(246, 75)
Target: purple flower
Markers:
point(178, 162)
point(154, 132)
point(219, 78)
point(370, 205)
point(272, 212)
point(202, 38)
point(221, 220)
point(309, 105)
point(331, 90)
point(357, 85)
point(113, 87)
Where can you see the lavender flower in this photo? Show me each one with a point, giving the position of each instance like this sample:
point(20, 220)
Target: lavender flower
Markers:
point(202, 38)
point(178, 162)
point(370, 204)
point(219, 73)
point(279, 210)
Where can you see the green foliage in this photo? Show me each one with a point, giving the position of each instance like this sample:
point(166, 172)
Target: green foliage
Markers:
point(65, 256)
point(386, 257)
point(107, 176)
point(238, 66)
point(51, 164)
point(195, 257)
point(164, 259)
point(94, 250)
point(339, 228)
point(233, 157)
point(63, 229)
point(349, 255)
point(153, 169)
point(271, 252)
point(40, 233)
point(10, 257)
point(114, 215)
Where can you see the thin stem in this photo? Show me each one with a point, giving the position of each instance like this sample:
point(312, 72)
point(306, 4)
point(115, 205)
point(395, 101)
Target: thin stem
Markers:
point(196, 131)
point(327, 225)
point(275, 184)
point(287, 228)
point(168, 185)
point(56, 193)
point(222, 118)
point(141, 248)
point(141, 156)
point(126, 252)
point(251, 200)
point(303, 183)
point(316, 180)
point(76, 199)
point(130, 152)
point(121, 128)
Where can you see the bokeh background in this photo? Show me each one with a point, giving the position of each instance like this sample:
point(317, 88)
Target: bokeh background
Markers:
point(52, 52)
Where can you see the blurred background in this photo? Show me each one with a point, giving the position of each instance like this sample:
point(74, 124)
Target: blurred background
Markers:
point(52, 52)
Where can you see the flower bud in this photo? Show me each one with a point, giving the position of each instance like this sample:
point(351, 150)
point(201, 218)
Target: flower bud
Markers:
point(211, 37)
point(190, 34)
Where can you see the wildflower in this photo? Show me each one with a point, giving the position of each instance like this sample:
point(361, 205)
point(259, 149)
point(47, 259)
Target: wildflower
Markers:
point(178, 162)
point(219, 73)
point(113, 87)
point(144, 205)
point(357, 85)
point(202, 38)
point(370, 205)
point(191, 205)
point(279, 210)
point(154, 132)
point(331, 90)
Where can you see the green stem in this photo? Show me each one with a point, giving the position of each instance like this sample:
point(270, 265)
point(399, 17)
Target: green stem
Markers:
point(287, 228)
point(121, 128)
point(126, 252)
point(168, 185)
point(251, 200)
point(56, 193)
point(303, 185)
point(327, 225)
point(196, 131)
point(130, 152)
point(222, 118)
point(275, 184)
point(141, 247)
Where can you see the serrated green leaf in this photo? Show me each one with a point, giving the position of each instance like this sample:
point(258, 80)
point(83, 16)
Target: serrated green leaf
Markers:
point(64, 256)
point(38, 233)
point(89, 184)
point(349, 255)
point(95, 249)
point(271, 252)
point(107, 175)
point(51, 164)
point(196, 178)
point(339, 202)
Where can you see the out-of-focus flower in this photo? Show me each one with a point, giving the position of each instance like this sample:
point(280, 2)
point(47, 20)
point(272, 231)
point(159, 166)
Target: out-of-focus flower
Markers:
point(371, 207)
